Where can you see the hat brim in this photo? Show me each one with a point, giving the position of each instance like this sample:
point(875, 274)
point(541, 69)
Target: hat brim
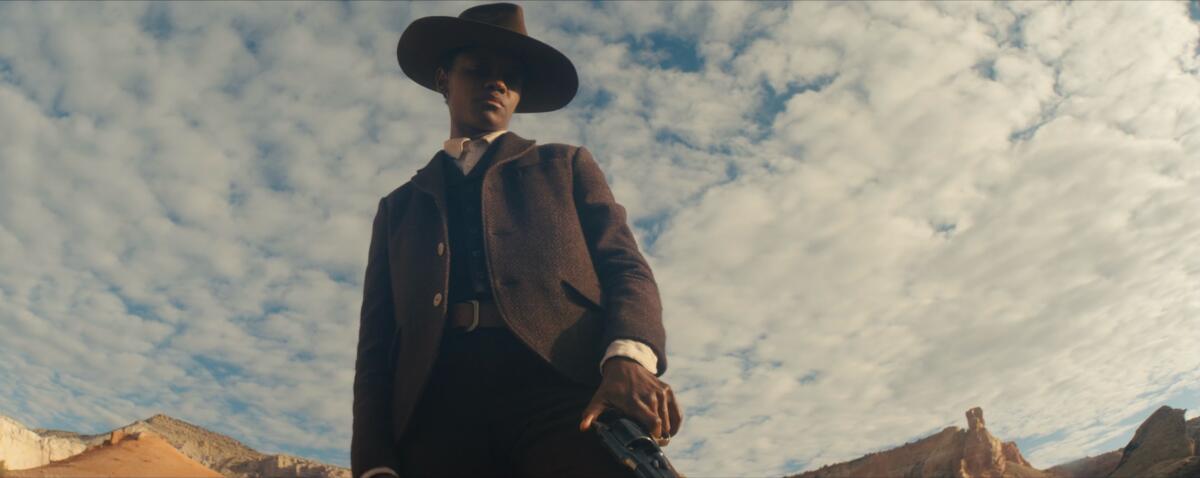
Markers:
point(550, 84)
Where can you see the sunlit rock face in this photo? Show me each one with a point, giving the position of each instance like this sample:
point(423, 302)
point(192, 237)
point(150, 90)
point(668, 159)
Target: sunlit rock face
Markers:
point(137, 454)
point(953, 452)
point(1164, 446)
point(176, 445)
point(21, 448)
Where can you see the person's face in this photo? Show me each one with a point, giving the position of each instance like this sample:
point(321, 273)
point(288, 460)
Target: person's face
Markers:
point(483, 89)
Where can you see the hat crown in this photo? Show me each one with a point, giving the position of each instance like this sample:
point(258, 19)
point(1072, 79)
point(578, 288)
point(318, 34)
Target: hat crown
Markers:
point(504, 15)
point(500, 26)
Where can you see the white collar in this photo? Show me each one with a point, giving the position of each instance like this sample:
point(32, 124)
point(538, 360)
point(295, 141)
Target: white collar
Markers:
point(454, 146)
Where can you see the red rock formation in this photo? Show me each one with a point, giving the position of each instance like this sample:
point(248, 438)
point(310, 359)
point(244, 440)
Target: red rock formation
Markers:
point(1164, 446)
point(982, 456)
point(953, 452)
point(123, 454)
point(31, 449)
point(115, 437)
point(1160, 447)
point(1012, 454)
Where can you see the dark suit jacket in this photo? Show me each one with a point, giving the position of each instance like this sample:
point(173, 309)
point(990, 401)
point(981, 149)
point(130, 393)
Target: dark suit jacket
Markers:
point(565, 269)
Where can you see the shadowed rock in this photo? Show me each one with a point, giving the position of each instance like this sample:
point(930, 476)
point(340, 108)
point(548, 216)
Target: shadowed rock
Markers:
point(1161, 447)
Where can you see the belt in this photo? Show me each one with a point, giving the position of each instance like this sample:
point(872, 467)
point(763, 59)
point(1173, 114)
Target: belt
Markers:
point(469, 315)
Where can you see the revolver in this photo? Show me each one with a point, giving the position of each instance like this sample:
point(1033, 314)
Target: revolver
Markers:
point(632, 446)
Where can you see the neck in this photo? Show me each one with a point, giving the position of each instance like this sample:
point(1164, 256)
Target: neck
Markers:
point(457, 130)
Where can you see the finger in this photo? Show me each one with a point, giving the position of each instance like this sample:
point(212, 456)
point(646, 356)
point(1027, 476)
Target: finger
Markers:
point(653, 421)
point(590, 413)
point(676, 413)
point(663, 413)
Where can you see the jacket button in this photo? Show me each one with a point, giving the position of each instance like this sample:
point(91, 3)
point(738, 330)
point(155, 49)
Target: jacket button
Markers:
point(437, 299)
point(441, 248)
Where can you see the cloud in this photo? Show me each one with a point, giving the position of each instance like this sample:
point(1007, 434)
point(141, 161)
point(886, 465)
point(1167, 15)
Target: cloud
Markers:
point(864, 218)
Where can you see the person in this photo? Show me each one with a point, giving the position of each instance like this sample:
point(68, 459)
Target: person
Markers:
point(505, 302)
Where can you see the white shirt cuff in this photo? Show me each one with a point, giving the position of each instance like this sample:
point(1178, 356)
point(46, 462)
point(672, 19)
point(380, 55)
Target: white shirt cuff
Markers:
point(633, 349)
point(379, 471)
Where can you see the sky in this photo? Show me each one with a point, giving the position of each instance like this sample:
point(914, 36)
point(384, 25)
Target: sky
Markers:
point(864, 218)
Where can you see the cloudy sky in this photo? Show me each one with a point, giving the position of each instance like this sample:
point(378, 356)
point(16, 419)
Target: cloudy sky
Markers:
point(864, 218)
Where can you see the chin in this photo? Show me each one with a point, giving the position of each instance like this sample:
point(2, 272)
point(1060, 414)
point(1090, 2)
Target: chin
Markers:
point(490, 122)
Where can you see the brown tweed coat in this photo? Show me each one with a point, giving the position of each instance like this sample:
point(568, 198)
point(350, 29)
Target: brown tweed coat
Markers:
point(566, 275)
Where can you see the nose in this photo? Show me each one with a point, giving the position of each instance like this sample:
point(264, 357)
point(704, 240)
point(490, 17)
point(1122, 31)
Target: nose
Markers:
point(495, 81)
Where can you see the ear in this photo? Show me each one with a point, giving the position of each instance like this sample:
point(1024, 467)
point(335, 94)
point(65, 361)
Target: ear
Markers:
point(441, 80)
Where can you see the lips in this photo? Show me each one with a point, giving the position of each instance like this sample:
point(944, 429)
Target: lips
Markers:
point(492, 100)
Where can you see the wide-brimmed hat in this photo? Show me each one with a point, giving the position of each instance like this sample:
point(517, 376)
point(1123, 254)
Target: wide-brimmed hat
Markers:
point(550, 83)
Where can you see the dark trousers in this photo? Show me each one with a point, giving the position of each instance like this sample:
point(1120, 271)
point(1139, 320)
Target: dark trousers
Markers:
point(494, 408)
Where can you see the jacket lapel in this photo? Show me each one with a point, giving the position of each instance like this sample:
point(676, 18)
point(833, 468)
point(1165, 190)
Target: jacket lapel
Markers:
point(432, 177)
point(431, 180)
point(510, 147)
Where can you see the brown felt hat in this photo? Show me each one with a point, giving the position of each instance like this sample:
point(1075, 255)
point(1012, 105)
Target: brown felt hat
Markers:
point(550, 83)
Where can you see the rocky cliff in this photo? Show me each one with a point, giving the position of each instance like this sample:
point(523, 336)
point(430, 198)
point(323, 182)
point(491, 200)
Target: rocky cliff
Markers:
point(1164, 446)
point(1161, 448)
point(24, 449)
point(953, 452)
point(141, 454)
point(230, 457)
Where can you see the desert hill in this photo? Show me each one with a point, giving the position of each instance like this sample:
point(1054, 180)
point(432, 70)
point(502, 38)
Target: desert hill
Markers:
point(24, 449)
point(140, 454)
point(1164, 446)
point(953, 452)
point(1088, 467)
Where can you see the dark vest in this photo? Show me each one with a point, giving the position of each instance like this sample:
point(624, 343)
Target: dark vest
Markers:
point(468, 265)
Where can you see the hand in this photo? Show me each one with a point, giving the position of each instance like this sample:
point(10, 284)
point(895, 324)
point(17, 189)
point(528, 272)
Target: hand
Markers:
point(635, 391)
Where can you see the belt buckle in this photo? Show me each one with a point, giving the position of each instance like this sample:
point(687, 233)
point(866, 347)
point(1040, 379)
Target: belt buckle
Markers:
point(474, 316)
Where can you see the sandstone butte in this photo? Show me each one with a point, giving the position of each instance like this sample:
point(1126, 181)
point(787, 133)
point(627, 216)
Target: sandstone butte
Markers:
point(1164, 446)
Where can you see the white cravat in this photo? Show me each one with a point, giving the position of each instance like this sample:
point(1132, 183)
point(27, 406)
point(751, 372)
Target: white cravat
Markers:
point(466, 151)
